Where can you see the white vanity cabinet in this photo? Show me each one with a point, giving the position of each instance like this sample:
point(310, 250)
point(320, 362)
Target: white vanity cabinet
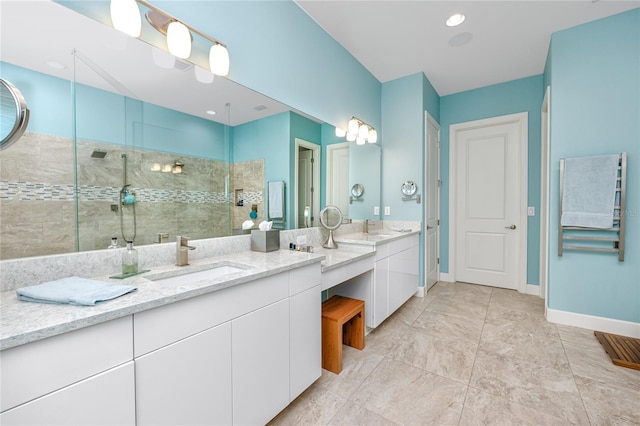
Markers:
point(395, 276)
point(84, 377)
point(228, 357)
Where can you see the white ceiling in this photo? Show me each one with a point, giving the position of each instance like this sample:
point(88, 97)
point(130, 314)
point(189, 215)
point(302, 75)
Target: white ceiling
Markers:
point(510, 39)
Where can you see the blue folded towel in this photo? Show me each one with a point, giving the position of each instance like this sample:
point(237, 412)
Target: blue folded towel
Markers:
point(73, 291)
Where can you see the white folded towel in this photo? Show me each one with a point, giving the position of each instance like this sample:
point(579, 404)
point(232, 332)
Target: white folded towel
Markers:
point(265, 226)
point(247, 224)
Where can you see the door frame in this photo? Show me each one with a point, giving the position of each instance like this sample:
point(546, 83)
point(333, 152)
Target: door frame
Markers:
point(522, 119)
point(431, 122)
point(545, 177)
point(315, 211)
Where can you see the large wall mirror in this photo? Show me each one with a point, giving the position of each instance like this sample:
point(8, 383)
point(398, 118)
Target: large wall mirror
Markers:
point(122, 142)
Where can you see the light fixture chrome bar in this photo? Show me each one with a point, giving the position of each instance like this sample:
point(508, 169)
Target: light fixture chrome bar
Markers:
point(168, 15)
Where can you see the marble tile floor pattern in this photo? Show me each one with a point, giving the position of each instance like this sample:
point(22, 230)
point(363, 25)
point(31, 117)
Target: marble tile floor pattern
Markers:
point(468, 354)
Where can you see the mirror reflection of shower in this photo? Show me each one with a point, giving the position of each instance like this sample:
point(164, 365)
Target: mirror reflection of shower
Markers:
point(127, 199)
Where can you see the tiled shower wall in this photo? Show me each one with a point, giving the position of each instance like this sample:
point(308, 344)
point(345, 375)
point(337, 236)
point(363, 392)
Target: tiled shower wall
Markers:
point(247, 184)
point(37, 206)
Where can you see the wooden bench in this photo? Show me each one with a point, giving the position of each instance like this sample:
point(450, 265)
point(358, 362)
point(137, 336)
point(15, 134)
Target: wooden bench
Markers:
point(342, 322)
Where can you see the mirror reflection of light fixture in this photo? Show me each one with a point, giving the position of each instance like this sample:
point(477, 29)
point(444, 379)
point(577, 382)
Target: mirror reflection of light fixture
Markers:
point(155, 167)
point(166, 168)
point(177, 167)
point(359, 131)
point(179, 40)
point(125, 17)
point(162, 59)
point(203, 76)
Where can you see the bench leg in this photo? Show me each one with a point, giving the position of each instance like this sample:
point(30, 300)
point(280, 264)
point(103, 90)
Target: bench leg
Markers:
point(331, 346)
point(354, 331)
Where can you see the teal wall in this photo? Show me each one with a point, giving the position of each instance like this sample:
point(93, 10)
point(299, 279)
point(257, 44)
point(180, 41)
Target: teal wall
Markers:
point(523, 95)
point(110, 118)
point(595, 110)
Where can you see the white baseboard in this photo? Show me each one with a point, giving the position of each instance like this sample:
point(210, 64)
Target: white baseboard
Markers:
point(608, 325)
point(534, 290)
point(445, 276)
point(420, 292)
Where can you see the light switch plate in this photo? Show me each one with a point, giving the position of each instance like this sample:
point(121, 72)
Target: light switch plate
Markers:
point(387, 211)
point(531, 211)
point(376, 211)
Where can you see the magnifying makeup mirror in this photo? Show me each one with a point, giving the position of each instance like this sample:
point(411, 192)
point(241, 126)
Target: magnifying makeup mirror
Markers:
point(14, 113)
point(331, 219)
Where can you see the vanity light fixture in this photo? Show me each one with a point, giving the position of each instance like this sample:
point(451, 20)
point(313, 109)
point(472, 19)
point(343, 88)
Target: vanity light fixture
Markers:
point(125, 16)
point(359, 131)
point(455, 20)
point(177, 167)
point(179, 40)
point(341, 133)
point(166, 168)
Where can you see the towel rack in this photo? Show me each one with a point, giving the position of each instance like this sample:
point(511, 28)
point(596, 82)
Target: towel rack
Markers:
point(596, 239)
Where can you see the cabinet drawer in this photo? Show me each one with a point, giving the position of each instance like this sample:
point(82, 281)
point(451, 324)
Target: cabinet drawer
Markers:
point(162, 326)
point(304, 278)
point(105, 399)
point(35, 369)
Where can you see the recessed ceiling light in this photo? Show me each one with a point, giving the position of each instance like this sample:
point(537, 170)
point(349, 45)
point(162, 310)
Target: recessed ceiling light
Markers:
point(56, 65)
point(455, 20)
point(211, 112)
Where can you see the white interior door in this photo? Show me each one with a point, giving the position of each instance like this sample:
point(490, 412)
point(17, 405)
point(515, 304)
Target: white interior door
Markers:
point(432, 205)
point(488, 202)
point(305, 186)
point(338, 189)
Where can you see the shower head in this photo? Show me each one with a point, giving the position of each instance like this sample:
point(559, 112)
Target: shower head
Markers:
point(98, 154)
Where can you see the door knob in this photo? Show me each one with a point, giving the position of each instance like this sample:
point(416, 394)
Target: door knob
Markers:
point(510, 227)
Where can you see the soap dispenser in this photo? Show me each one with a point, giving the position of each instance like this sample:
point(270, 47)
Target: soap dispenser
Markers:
point(129, 259)
point(114, 243)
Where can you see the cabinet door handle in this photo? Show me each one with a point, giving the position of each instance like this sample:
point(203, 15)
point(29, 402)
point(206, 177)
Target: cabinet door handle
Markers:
point(510, 227)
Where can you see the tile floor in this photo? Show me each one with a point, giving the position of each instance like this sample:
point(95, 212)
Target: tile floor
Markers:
point(470, 354)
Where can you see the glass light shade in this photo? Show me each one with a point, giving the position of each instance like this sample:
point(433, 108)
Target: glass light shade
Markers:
point(351, 137)
point(219, 60)
point(353, 126)
point(125, 17)
point(363, 131)
point(179, 40)
point(162, 59)
point(340, 132)
point(155, 167)
point(360, 141)
point(177, 169)
point(204, 76)
point(166, 168)
point(373, 136)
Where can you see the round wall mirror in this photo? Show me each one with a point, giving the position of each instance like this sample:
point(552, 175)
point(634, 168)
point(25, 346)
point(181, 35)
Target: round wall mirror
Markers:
point(357, 190)
point(14, 113)
point(331, 219)
point(409, 188)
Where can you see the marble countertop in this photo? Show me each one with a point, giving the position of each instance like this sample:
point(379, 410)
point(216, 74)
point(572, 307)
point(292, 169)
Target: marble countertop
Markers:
point(335, 258)
point(23, 322)
point(374, 238)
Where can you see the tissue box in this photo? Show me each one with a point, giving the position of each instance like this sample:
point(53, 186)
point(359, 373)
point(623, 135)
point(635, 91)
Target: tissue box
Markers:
point(265, 240)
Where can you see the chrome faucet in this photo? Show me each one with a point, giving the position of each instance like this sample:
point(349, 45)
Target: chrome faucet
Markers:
point(365, 227)
point(182, 250)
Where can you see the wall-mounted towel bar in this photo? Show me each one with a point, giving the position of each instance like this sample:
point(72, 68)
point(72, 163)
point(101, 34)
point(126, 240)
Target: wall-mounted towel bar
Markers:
point(597, 198)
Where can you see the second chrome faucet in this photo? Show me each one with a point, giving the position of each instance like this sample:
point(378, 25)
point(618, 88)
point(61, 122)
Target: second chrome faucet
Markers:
point(182, 250)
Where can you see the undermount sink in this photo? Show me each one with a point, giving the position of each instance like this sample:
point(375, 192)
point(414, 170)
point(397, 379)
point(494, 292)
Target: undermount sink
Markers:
point(189, 276)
